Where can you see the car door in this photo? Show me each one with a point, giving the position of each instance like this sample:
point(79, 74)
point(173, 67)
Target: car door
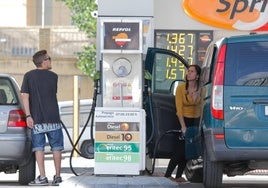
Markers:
point(165, 69)
point(246, 95)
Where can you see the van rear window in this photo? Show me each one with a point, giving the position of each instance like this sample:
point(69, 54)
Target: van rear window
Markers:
point(247, 64)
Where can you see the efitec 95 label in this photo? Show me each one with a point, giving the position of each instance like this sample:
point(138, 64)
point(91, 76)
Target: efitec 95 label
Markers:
point(248, 15)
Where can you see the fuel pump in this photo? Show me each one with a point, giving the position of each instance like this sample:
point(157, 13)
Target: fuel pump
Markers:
point(120, 122)
point(124, 34)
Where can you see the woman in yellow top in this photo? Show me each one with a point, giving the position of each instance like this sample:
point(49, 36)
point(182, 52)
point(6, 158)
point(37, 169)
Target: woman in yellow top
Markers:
point(189, 107)
point(188, 99)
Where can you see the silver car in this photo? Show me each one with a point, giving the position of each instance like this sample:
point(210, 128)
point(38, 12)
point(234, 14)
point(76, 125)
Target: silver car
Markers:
point(15, 139)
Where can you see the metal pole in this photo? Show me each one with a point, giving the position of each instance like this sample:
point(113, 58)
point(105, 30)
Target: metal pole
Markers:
point(43, 13)
point(76, 110)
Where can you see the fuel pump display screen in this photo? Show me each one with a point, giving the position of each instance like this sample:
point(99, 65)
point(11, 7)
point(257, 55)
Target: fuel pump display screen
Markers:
point(190, 44)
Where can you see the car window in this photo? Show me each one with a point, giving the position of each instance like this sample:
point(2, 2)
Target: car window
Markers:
point(166, 70)
point(7, 92)
point(246, 64)
point(206, 67)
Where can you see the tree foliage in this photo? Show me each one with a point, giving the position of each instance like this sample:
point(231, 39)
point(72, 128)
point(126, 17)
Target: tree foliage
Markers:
point(83, 14)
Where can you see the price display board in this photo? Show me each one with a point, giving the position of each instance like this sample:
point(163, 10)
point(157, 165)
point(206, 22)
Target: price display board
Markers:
point(119, 141)
point(190, 44)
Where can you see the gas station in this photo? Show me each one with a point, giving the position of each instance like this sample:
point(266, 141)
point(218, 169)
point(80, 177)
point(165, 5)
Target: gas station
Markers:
point(125, 30)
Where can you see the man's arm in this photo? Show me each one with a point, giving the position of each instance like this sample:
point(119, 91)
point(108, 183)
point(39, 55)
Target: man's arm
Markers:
point(25, 100)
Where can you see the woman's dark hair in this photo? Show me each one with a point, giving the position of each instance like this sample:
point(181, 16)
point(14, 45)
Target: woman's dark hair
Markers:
point(198, 71)
point(38, 57)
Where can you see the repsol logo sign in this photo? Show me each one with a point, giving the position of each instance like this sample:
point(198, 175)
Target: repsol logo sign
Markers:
point(230, 14)
point(125, 29)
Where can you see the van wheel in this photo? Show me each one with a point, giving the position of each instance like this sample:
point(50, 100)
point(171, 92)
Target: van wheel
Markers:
point(27, 171)
point(212, 172)
point(194, 171)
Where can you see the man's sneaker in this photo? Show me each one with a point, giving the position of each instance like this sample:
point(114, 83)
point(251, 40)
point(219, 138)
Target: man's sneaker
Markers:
point(56, 181)
point(39, 181)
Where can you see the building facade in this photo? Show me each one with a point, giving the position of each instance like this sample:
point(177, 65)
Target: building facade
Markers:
point(42, 24)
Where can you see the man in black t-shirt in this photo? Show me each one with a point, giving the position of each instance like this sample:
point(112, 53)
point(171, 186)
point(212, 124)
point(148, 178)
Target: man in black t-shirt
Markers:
point(39, 96)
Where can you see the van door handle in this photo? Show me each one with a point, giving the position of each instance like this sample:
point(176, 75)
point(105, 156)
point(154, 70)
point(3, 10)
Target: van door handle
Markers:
point(260, 101)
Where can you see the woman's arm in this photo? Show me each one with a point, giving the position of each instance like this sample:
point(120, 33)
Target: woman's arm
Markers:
point(180, 91)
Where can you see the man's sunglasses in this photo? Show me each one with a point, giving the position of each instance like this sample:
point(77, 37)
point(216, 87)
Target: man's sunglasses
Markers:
point(47, 59)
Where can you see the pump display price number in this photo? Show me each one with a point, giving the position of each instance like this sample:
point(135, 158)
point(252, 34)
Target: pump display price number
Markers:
point(189, 44)
point(183, 44)
point(172, 69)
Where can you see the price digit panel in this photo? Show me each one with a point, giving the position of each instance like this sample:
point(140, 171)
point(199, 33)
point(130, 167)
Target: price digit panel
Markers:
point(190, 44)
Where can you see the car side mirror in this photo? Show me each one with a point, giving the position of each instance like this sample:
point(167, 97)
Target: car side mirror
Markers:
point(173, 86)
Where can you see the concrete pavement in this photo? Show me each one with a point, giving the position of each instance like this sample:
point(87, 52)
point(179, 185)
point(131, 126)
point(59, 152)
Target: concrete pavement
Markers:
point(87, 179)
point(85, 169)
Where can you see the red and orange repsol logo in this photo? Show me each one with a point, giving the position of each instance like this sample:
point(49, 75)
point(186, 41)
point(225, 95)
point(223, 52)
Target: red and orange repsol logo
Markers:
point(250, 15)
